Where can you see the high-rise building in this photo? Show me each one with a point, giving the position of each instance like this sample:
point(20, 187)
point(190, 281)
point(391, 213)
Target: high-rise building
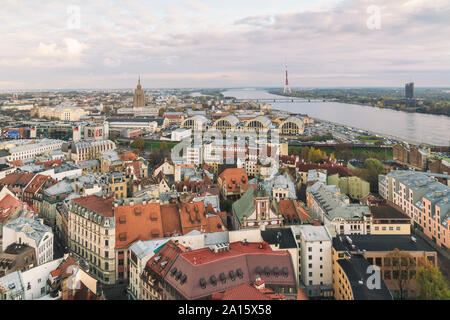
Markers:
point(139, 96)
point(409, 90)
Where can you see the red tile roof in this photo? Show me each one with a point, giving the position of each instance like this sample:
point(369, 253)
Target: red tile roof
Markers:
point(129, 156)
point(17, 178)
point(202, 264)
point(332, 168)
point(50, 163)
point(37, 182)
point(97, 204)
point(244, 291)
point(287, 209)
point(137, 222)
point(8, 205)
point(236, 175)
point(171, 219)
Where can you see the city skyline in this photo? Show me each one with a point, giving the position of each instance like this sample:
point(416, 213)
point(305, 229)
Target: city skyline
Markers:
point(190, 44)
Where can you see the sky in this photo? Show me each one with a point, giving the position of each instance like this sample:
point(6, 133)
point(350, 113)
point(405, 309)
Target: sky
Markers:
point(215, 43)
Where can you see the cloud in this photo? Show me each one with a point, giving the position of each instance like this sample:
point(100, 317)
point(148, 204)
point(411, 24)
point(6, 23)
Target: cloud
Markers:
point(196, 42)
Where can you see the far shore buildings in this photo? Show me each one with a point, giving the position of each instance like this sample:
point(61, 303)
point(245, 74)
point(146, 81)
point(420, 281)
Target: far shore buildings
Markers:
point(411, 155)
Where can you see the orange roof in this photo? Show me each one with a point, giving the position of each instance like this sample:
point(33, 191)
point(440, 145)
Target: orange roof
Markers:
point(205, 255)
point(8, 205)
point(170, 216)
point(244, 291)
point(137, 222)
point(97, 204)
point(192, 216)
point(129, 156)
point(17, 178)
point(234, 179)
point(50, 163)
point(16, 163)
point(36, 183)
point(303, 214)
point(287, 209)
point(215, 224)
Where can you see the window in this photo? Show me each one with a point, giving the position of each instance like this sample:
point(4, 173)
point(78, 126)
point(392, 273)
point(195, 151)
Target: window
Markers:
point(378, 261)
point(387, 274)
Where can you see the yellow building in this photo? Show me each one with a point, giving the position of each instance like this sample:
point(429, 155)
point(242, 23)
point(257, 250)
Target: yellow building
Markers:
point(351, 281)
point(354, 187)
point(292, 126)
point(117, 184)
point(378, 250)
point(387, 219)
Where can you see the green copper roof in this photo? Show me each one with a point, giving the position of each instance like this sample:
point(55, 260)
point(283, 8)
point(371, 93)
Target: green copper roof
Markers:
point(244, 206)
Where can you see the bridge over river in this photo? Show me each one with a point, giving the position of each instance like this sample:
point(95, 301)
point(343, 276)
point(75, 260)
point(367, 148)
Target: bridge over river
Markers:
point(282, 100)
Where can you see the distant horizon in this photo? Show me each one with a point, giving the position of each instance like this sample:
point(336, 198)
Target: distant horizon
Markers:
point(211, 88)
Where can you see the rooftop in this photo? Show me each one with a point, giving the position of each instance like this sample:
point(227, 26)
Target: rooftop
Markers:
point(380, 243)
point(355, 269)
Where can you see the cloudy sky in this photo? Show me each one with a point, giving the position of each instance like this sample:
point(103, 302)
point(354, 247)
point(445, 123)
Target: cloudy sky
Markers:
point(217, 43)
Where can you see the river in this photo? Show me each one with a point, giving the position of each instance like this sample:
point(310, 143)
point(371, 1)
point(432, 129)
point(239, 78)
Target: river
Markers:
point(423, 128)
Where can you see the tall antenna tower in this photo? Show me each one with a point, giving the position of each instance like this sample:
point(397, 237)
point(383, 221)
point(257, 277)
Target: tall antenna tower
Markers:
point(286, 89)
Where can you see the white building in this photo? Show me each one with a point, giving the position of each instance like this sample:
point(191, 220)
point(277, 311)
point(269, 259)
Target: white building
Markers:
point(88, 149)
point(35, 279)
point(148, 125)
point(314, 244)
point(140, 253)
point(33, 233)
point(28, 149)
point(193, 155)
point(332, 208)
point(180, 134)
point(65, 170)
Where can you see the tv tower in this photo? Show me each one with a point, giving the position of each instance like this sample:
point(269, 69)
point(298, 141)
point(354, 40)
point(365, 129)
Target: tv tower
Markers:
point(286, 89)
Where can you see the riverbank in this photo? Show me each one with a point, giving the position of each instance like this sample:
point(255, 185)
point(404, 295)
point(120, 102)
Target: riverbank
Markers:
point(399, 103)
point(402, 126)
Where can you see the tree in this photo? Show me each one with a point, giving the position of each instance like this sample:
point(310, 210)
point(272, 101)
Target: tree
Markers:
point(161, 112)
point(373, 168)
point(375, 164)
point(164, 146)
point(139, 143)
point(305, 153)
point(403, 271)
point(431, 284)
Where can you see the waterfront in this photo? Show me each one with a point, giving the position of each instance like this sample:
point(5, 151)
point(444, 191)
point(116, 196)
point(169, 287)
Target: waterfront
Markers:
point(423, 128)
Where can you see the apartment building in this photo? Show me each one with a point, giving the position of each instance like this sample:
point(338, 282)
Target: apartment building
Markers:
point(88, 149)
point(423, 199)
point(92, 235)
point(378, 249)
point(314, 245)
point(354, 187)
point(333, 208)
point(28, 149)
point(350, 280)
